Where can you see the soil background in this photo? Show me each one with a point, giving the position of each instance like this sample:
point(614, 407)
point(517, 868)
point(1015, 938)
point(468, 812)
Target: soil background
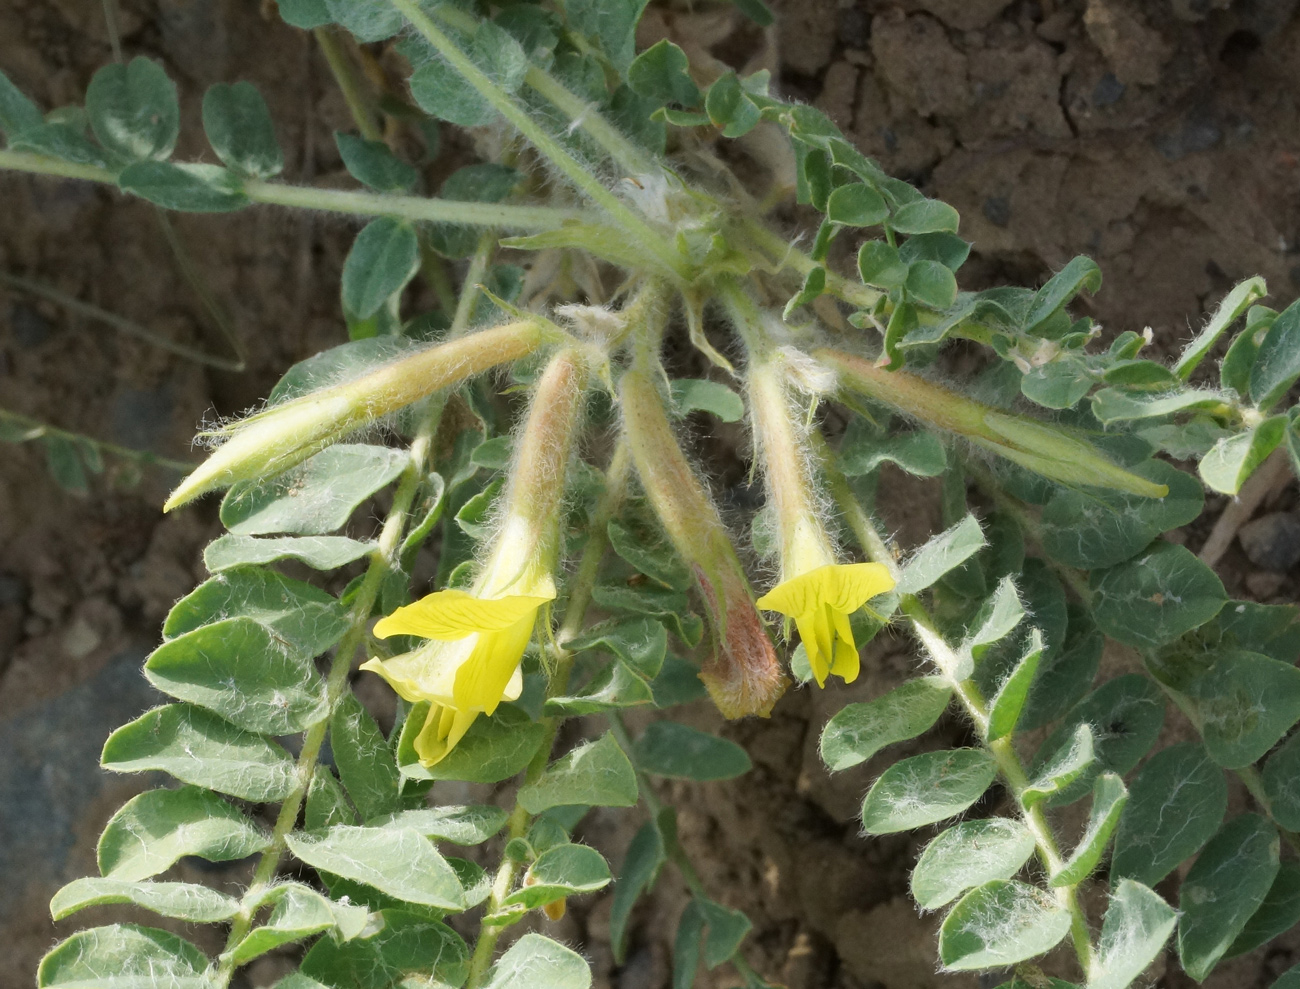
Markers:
point(1162, 138)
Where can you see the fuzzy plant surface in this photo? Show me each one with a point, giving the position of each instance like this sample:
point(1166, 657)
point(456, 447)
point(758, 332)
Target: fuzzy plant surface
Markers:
point(524, 442)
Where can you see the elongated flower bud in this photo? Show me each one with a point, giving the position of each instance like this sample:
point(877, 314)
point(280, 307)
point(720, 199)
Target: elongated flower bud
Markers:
point(816, 590)
point(478, 638)
point(743, 675)
point(1056, 453)
point(275, 440)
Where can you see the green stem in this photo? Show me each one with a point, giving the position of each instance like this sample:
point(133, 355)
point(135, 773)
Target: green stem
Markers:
point(34, 429)
point(352, 88)
point(584, 580)
point(630, 158)
point(336, 685)
point(350, 201)
point(632, 223)
point(949, 662)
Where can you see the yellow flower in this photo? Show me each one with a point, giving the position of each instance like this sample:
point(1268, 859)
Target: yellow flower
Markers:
point(820, 602)
point(471, 663)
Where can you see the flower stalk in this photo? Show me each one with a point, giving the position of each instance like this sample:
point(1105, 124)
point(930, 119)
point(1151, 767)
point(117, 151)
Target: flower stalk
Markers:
point(743, 675)
point(284, 435)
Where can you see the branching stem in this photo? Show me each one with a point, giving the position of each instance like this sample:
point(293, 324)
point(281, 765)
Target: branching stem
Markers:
point(949, 662)
point(584, 580)
point(350, 201)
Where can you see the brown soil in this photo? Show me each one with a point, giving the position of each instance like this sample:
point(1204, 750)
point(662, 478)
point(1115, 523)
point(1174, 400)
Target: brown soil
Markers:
point(1159, 137)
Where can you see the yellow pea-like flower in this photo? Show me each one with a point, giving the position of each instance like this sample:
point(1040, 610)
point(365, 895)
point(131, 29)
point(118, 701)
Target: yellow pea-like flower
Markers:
point(477, 638)
point(820, 602)
point(471, 663)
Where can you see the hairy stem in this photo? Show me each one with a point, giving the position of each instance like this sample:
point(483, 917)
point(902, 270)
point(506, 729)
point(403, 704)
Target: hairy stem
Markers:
point(631, 222)
point(349, 201)
point(949, 663)
point(360, 105)
point(25, 429)
point(583, 115)
point(584, 580)
point(336, 685)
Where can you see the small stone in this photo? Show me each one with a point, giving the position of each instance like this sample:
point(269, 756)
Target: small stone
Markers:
point(1264, 584)
point(997, 210)
point(1272, 542)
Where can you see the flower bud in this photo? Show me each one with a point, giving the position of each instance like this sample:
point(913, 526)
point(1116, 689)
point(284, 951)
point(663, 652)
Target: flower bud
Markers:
point(272, 441)
point(743, 675)
point(1058, 454)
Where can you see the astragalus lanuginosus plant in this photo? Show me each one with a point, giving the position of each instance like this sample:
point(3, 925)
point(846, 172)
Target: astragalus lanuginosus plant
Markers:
point(527, 440)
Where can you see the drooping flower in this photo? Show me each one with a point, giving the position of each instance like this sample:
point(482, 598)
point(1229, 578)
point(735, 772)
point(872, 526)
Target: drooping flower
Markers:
point(477, 638)
point(743, 675)
point(816, 590)
point(820, 601)
point(471, 663)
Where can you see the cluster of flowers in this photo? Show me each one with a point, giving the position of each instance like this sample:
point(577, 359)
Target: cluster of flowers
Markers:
point(476, 638)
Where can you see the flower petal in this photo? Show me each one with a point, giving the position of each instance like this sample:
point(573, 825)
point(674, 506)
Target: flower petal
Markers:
point(444, 726)
point(454, 614)
point(484, 679)
point(424, 674)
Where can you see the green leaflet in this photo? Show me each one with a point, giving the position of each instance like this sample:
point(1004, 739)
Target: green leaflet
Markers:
point(858, 731)
point(1281, 779)
point(200, 748)
point(317, 497)
point(318, 552)
point(1277, 365)
point(1137, 925)
point(398, 861)
point(701, 395)
point(296, 612)
point(1005, 708)
point(1026, 922)
point(1224, 888)
point(1108, 799)
point(124, 956)
point(460, 825)
point(1089, 528)
point(403, 944)
point(133, 109)
point(298, 912)
point(667, 748)
point(1176, 803)
point(1156, 597)
point(185, 901)
point(536, 962)
point(942, 553)
point(151, 831)
point(926, 788)
point(1247, 703)
point(239, 128)
point(1279, 912)
point(238, 669)
point(364, 760)
point(641, 865)
point(563, 871)
point(969, 854)
point(596, 773)
point(372, 163)
point(185, 187)
point(384, 257)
